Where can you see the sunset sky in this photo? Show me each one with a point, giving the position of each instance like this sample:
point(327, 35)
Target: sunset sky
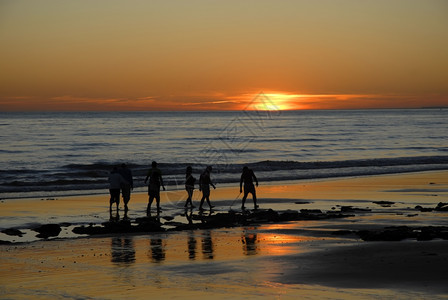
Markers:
point(218, 55)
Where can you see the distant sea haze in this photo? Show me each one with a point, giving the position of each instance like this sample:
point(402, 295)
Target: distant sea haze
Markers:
point(54, 154)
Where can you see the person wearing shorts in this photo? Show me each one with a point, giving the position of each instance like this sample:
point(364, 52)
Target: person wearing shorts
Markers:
point(115, 182)
point(126, 188)
point(204, 185)
point(248, 178)
point(155, 181)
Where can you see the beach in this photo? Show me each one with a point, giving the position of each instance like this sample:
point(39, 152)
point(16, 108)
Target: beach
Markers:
point(312, 259)
point(333, 112)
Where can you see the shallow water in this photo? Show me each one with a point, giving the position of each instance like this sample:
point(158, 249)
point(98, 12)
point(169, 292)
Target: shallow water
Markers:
point(243, 263)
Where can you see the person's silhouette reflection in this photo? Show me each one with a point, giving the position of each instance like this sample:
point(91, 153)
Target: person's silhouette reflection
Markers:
point(155, 217)
point(114, 216)
point(157, 249)
point(189, 216)
point(207, 245)
point(122, 250)
point(202, 215)
point(249, 243)
point(191, 245)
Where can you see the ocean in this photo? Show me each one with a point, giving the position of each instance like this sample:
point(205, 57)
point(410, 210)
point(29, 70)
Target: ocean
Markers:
point(49, 154)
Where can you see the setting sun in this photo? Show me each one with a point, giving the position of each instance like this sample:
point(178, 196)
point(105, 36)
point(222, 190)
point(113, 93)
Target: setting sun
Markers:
point(278, 101)
point(273, 101)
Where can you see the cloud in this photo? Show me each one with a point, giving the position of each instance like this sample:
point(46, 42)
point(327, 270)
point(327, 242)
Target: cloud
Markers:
point(271, 100)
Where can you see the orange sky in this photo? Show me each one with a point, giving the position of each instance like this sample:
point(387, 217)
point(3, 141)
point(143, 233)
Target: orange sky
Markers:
point(218, 55)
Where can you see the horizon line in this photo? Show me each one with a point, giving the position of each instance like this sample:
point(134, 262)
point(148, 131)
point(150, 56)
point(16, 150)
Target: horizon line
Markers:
point(220, 110)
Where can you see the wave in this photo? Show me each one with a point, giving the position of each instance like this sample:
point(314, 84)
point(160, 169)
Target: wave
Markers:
point(85, 177)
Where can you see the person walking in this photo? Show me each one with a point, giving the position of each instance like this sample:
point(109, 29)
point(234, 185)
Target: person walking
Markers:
point(248, 178)
point(115, 182)
point(155, 181)
point(204, 185)
point(189, 186)
point(126, 188)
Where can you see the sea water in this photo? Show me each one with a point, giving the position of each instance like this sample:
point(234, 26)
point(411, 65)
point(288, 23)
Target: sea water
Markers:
point(44, 154)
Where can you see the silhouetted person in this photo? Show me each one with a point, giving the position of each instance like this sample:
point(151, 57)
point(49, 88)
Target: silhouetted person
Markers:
point(155, 180)
point(189, 186)
point(126, 188)
point(115, 182)
point(248, 178)
point(204, 185)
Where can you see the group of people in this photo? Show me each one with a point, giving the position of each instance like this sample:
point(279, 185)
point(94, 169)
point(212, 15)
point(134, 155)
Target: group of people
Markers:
point(121, 179)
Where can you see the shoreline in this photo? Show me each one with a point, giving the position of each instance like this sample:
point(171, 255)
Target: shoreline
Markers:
point(416, 189)
point(269, 259)
point(235, 185)
point(50, 194)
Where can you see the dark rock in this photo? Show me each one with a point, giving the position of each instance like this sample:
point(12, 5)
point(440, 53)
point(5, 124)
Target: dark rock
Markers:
point(412, 215)
point(149, 225)
point(303, 202)
point(147, 219)
point(197, 217)
point(5, 242)
point(425, 235)
point(399, 233)
point(90, 230)
point(289, 215)
point(384, 203)
point(423, 209)
point(442, 206)
point(341, 232)
point(389, 234)
point(48, 230)
point(268, 215)
point(118, 227)
point(220, 220)
point(123, 226)
point(185, 227)
point(336, 215)
point(13, 231)
point(172, 223)
point(354, 209)
point(310, 211)
point(443, 235)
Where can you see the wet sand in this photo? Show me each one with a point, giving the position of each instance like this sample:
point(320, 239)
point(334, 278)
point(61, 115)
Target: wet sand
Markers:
point(274, 260)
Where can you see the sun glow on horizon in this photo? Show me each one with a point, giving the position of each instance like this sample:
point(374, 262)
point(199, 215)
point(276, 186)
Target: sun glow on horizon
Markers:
point(277, 101)
point(273, 101)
